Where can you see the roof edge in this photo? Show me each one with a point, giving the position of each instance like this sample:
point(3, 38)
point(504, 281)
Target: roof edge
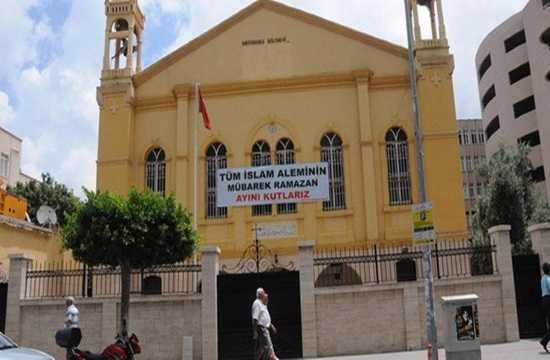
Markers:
point(274, 6)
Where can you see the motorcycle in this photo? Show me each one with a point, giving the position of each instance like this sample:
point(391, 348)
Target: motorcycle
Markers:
point(121, 349)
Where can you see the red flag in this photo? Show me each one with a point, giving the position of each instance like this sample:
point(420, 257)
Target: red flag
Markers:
point(204, 112)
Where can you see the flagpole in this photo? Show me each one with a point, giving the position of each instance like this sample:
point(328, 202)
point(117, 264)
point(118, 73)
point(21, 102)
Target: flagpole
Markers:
point(196, 156)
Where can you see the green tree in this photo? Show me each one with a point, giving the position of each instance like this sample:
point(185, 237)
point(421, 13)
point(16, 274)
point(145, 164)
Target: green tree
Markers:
point(46, 192)
point(510, 198)
point(137, 232)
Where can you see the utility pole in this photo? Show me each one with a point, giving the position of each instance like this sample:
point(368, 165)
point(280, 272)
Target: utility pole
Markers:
point(427, 253)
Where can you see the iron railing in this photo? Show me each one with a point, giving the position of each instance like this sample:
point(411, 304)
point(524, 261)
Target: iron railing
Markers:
point(380, 265)
point(54, 280)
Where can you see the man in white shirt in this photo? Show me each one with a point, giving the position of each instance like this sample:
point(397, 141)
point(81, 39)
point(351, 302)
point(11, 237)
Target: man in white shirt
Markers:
point(261, 324)
point(72, 315)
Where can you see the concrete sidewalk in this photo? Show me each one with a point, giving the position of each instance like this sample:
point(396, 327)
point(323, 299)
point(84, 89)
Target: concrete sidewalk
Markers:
point(523, 350)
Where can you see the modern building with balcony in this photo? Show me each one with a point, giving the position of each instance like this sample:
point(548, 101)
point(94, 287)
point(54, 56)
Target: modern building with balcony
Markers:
point(513, 64)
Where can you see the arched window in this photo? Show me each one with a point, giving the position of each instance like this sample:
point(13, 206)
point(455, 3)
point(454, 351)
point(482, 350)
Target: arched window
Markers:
point(284, 155)
point(155, 171)
point(261, 156)
point(332, 153)
point(216, 158)
point(397, 156)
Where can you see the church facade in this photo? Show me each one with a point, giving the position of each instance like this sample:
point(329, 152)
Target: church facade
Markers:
point(282, 87)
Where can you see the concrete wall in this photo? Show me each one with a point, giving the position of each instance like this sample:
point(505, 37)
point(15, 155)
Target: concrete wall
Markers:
point(372, 319)
point(160, 323)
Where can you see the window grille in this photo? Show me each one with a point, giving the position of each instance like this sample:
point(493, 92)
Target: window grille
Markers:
point(397, 156)
point(155, 171)
point(216, 158)
point(261, 156)
point(332, 153)
point(284, 155)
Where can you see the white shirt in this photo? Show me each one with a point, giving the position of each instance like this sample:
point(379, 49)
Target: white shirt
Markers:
point(72, 317)
point(260, 313)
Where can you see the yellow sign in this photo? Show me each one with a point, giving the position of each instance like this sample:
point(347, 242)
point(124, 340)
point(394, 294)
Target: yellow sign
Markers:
point(423, 223)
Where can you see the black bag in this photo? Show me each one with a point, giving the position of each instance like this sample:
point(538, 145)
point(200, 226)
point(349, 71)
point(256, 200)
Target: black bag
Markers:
point(68, 338)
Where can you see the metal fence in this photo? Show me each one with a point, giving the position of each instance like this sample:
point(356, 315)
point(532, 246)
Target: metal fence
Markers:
point(54, 280)
point(379, 265)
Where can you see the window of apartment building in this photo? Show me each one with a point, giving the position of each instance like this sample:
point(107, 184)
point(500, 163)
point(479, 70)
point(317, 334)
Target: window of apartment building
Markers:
point(471, 191)
point(460, 141)
point(466, 136)
point(484, 67)
point(4, 165)
point(479, 188)
point(514, 41)
point(473, 134)
point(476, 161)
point(462, 164)
point(524, 106)
point(489, 95)
point(537, 175)
point(521, 72)
point(532, 139)
point(481, 136)
point(492, 128)
point(545, 3)
point(465, 191)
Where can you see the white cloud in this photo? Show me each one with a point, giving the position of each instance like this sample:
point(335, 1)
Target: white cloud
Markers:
point(6, 111)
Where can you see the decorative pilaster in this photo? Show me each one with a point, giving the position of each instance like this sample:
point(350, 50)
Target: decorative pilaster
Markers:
point(307, 298)
point(209, 310)
point(19, 264)
point(500, 235)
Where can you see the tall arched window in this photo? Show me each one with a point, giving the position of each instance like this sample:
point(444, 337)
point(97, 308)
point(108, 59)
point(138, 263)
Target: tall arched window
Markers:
point(397, 156)
point(216, 158)
point(284, 155)
point(261, 156)
point(155, 171)
point(332, 153)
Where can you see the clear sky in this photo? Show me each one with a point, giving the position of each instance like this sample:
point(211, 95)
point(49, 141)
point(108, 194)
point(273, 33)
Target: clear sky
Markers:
point(51, 52)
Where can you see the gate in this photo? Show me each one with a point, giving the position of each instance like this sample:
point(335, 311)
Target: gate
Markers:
point(528, 296)
point(3, 305)
point(236, 292)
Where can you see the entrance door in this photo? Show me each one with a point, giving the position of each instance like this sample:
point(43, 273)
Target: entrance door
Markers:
point(3, 305)
point(236, 292)
point(528, 296)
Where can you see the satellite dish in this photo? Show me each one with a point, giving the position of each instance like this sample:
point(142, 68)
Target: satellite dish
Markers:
point(46, 216)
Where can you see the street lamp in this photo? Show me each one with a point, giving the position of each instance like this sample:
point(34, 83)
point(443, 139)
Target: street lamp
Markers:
point(427, 253)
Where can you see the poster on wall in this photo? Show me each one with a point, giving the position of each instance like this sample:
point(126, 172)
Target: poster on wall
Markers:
point(465, 320)
point(280, 184)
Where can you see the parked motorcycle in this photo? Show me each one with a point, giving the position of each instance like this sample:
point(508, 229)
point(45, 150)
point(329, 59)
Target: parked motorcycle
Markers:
point(121, 349)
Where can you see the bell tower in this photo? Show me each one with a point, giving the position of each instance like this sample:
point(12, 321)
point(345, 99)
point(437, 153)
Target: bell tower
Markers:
point(435, 65)
point(122, 59)
point(122, 56)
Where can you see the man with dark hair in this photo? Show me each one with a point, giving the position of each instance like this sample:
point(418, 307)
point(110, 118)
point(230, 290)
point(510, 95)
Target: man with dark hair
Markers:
point(545, 287)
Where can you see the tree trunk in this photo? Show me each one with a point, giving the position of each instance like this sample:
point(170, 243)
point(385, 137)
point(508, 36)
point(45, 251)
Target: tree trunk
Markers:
point(126, 272)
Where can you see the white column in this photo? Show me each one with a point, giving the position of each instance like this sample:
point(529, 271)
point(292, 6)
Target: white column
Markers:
point(307, 299)
point(500, 236)
point(16, 291)
point(209, 309)
point(412, 316)
point(417, 30)
point(107, 52)
point(432, 21)
point(441, 20)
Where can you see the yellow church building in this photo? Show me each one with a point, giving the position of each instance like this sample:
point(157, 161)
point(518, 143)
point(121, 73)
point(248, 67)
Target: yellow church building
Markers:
point(282, 86)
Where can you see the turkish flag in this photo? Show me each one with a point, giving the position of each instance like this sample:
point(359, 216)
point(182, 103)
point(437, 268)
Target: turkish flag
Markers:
point(204, 112)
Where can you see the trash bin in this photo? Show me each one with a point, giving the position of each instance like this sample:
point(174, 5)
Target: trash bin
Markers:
point(462, 327)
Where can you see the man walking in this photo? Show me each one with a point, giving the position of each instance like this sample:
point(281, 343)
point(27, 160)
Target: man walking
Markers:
point(72, 317)
point(261, 325)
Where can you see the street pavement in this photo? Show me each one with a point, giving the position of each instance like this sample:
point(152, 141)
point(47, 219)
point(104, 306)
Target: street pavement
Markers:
point(523, 350)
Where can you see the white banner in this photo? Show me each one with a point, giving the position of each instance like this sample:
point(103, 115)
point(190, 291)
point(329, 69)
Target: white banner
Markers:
point(272, 185)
